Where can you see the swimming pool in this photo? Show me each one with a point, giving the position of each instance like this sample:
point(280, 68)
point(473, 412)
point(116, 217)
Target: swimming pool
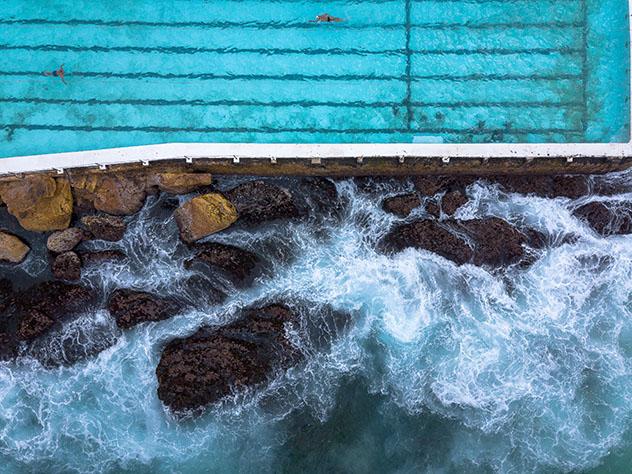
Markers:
point(395, 71)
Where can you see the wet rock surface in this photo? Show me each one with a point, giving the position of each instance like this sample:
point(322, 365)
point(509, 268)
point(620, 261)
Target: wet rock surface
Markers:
point(239, 264)
point(96, 257)
point(12, 248)
point(210, 364)
point(104, 227)
point(41, 306)
point(401, 205)
point(428, 235)
point(8, 341)
point(258, 202)
point(612, 219)
point(67, 266)
point(65, 240)
point(452, 201)
point(321, 194)
point(204, 215)
point(131, 307)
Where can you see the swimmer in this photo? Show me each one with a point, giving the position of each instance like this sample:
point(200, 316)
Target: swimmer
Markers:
point(57, 73)
point(327, 18)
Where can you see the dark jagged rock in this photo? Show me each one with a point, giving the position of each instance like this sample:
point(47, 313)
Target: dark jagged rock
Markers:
point(131, 307)
point(98, 257)
point(258, 201)
point(43, 305)
point(322, 194)
point(104, 227)
point(607, 221)
point(401, 205)
point(8, 341)
point(452, 200)
point(67, 266)
point(427, 235)
point(198, 291)
point(550, 186)
point(205, 367)
point(433, 209)
point(431, 185)
point(239, 264)
point(497, 242)
point(66, 240)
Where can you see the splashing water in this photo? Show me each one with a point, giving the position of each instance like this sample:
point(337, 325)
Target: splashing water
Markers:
point(444, 368)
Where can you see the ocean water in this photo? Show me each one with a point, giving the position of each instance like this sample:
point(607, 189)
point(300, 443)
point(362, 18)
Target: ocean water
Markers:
point(442, 369)
point(150, 71)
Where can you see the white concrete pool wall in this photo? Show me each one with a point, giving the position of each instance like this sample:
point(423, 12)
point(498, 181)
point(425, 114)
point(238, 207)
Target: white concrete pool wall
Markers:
point(244, 151)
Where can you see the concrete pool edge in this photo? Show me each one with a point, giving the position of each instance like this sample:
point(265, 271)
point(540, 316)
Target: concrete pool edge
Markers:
point(356, 158)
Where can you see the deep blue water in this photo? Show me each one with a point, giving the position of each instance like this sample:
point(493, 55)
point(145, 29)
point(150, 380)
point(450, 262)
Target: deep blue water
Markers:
point(443, 369)
point(146, 72)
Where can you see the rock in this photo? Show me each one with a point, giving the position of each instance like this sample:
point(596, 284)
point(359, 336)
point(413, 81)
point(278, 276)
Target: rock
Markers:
point(549, 186)
point(180, 183)
point(433, 209)
point(203, 216)
point(12, 249)
point(452, 200)
point(40, 307)
point(239, 264)
point(205, 367)
point(606, 221)
point(322, 194)
point(103, 227)
point(131, 307)
point(65, 240)
point(67, 266)
point(8, 341)
point(431, 185)
point(427, 235)
point(497, 242)
point(401, 205)
point(200, 292)
point(116, 194)
point(258, 201)
point(39, 203)
point(89, 258)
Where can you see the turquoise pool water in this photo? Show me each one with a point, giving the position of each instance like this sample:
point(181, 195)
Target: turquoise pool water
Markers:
point(147, 72)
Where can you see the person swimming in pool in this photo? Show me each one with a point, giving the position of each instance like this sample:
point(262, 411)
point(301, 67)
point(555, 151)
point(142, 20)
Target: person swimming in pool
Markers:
point(57, 73)
point(327, 18)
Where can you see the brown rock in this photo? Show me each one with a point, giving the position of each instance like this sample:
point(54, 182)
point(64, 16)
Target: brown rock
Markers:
point(180, 183)
point(43, 305)
point(401, 205)
point(131, 307)
point(103, 227)
point(607, 221)
point(431, 185)
point(39, 203)
point(97, 257)
point(116, 194)
point(12, 249)
point(550, 186)
point(258, 201)
point(207, 366)
point(452, 200)
point(204, 215)
point(65, 240)
point(238, 263)
point(433, 209)
point(427, 235)
point(497, 242)
point(67, 266)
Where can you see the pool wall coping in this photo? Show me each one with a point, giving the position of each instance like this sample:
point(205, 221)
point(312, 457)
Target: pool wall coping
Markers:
point(320, 153)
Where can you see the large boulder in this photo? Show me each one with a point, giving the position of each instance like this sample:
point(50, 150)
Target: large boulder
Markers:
point(65, 240)
point(452, 201)
point(104, 227)
point(606, 220)
point(204, 215)
point(550, 186)
point(258, 201)
point(131, 307)
point(67, 266)
point(39, 203)
point(401, 205)
point(112, 193)
point(40, 307)
point(12, 249)
point(428, 235)
point(180, 183)
point(239, 264)
point(97, 257)
point(321, 194)
point(205, 367)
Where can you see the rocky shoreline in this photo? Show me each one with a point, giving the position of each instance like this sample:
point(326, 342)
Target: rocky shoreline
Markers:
point(214, 362)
